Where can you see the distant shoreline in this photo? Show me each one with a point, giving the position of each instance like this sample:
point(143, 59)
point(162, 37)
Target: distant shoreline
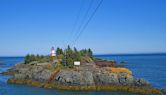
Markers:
point(96, 55)
point(136, 54)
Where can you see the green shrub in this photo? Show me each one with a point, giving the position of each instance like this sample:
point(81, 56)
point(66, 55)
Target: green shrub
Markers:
point(39, 58)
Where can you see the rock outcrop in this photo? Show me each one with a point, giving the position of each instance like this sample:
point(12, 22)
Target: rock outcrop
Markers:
point(104, 63)
point(75, 78)
point(86, 78)
point(85, 75)
point(35, 73)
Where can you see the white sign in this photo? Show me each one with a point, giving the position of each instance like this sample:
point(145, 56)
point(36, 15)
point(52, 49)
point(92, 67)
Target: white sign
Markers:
point(77, 63)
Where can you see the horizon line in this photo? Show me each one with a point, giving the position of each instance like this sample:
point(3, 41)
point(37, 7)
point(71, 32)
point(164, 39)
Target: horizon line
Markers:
point(100, 54)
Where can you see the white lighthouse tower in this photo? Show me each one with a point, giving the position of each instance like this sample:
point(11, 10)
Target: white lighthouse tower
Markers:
point(53, 52)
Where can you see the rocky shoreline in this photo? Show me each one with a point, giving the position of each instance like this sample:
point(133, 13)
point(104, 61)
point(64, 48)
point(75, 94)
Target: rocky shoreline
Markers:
point(139, 90)
point(88, 76)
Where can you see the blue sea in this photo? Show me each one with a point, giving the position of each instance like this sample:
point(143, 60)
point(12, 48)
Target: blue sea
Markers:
point(151, 67)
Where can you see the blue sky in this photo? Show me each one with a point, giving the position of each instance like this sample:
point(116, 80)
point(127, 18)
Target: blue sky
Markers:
point(119, 26)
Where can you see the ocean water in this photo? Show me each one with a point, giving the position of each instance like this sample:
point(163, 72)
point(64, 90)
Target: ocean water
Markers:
point(149, 67)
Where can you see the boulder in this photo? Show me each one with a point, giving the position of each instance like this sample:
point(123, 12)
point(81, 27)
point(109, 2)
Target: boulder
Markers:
point(68, 77)
point(125, 79)
point(22, 73)
point(42, 76)
point(75, 78)
point(141, 83)
point(87, 78)
point(106, 78)
point(20, 76)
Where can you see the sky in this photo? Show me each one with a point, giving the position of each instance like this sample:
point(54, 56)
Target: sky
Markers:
point(118, 26)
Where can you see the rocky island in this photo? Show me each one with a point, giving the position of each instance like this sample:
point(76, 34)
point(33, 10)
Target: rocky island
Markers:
point(60, 72)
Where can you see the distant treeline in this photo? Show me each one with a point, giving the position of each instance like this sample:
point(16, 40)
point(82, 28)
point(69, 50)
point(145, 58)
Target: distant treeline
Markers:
point(67, 56)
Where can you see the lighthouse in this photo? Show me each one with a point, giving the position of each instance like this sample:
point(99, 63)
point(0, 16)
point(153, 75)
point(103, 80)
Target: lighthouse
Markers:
point(53, 52)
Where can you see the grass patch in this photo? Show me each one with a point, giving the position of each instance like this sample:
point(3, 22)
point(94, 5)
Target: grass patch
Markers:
point(120, 70)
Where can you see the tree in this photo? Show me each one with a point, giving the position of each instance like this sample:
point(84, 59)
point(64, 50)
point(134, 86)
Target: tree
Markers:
point(31, 57)
point(90, 53)
point(76, 55)
point(68, 47)
point(27, 58)
point(61, 51)
point(70, 62)
point(58, 51)
point(75, 49)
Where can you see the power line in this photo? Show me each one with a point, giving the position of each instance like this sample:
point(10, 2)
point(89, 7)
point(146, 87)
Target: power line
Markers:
point(86, 24)
point(90, 18)
point(76, 20)
point(73, 30)
point(83, 19)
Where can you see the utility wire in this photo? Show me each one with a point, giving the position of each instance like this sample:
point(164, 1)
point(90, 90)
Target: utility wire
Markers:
point(73, 29)
point(84, 18)
point(86, 24)
point(76, 21)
